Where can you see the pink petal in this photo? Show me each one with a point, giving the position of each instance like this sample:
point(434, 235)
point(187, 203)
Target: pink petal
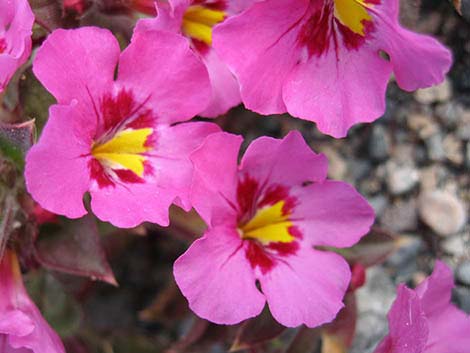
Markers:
point(332, 213)
point(436, 290)
point(56, 171)
point(262, 59)
point(15, 322)
point(225, 89)
point(216, 278)
point(417, 60)
point(289, 161)
point(215, 178)
point(173, 166)
point(407, 325)
point(338, 89)
point(126, 206)
point(179, 87)
point(77, 64)
point(306, 288)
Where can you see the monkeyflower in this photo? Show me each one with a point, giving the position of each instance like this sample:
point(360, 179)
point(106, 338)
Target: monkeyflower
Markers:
point(195, 19)
point(264, 217)
point(117, 139)
point(16, 23)
point(424, 320)
point(326, 61)
point(22, 327)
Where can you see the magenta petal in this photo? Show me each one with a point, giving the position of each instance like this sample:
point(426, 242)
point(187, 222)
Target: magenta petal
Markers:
point(339, 89)
point(56, 171)
point(77, 64)
point(216, 278)
point(332, 213)
point(418, 60)
point(162, 68)
point(225, 89)
point(127, 206)
point(173, 166)
point(215, 177)
point(261, 59)
point(408, 325)
point(306, 288)
point(289, 161)
point(435, 291)
point(15, 322)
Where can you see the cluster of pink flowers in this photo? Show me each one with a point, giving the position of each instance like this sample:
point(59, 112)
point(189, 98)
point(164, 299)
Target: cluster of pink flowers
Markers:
point(120, 132)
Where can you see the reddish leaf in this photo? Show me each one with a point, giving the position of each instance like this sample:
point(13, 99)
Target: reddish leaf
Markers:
point(371, 250)
point(306, 340)
point(7, 216)
point(257, 330)
point(339, 334)
point(75, 248)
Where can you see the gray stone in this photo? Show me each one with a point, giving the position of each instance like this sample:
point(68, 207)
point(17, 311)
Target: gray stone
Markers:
point(455, 245)
point(379, 143)
point(462, 273)
point(439, 93)
point(423, 125)
point(449, 113)
point(442, 211)
point(435, 147)
point(401, 179)
point(378, 203)
point(410, 246)
point(401, 216)
point(461, 296)
point(453, 149)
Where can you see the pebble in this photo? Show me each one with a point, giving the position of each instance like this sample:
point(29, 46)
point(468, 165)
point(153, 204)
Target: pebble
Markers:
point(455, 245)
point(401, 179)
point(409, 247)
point(435, 148)
point(379, 144)
point(449, 114)
point(442, 211)
point(337, 166)
point(461, 296)
point(423, 125)
point(379, 204)
point(401, 216)
point(453, 149)
point(439, 93)
point(462, 273)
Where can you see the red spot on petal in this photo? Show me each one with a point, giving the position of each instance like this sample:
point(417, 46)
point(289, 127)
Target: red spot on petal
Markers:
point(201, 47)
point(212, 4)
point(116, 109)
point(98, 173)
point(247, 191)
point(276, 193)
point(258, 257)
point(358, 277)
point(284, 249)
point(3, 45)
point(128, 176)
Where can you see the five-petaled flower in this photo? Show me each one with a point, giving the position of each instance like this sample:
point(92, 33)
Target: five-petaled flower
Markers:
point(264, 218)
point(196, 19)
point(22, 327)
point(425, 321)
point(16, 23)
point(328, 61)
point(117, 139)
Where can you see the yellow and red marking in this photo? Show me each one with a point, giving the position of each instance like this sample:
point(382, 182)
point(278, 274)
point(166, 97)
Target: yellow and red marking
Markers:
point(124, 138)
point(200, 18)
point(265, 223)
point(346, 21)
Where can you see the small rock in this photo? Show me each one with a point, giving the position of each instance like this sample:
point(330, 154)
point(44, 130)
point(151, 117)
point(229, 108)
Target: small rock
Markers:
point(461, 296)
point(401, 179)
point(401, 216)
point(429, 177)
point(378, 203)
point(337, 167)
point(423, 125)
point(455, 245)
point(442, 211)
point(379, 143)
point(463, 129)
point(409, 247)
point(467, 155)
point(438, 93)
point(453, 149)
point(449, 113)
point(435, 147)
point(462, 273)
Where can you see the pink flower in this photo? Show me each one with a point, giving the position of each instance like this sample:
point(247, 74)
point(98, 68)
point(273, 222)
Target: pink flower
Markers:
point(22, 328)
point(116, 138)
point(195, 20)
point(16, 23)
point(323, 60)
point(264, 218)
point(424, 320)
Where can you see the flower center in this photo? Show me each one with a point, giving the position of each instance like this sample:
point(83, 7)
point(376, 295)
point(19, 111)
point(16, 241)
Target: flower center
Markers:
point(198, 21)
point(124, 150)
point(270, 224)
point(352, 14)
